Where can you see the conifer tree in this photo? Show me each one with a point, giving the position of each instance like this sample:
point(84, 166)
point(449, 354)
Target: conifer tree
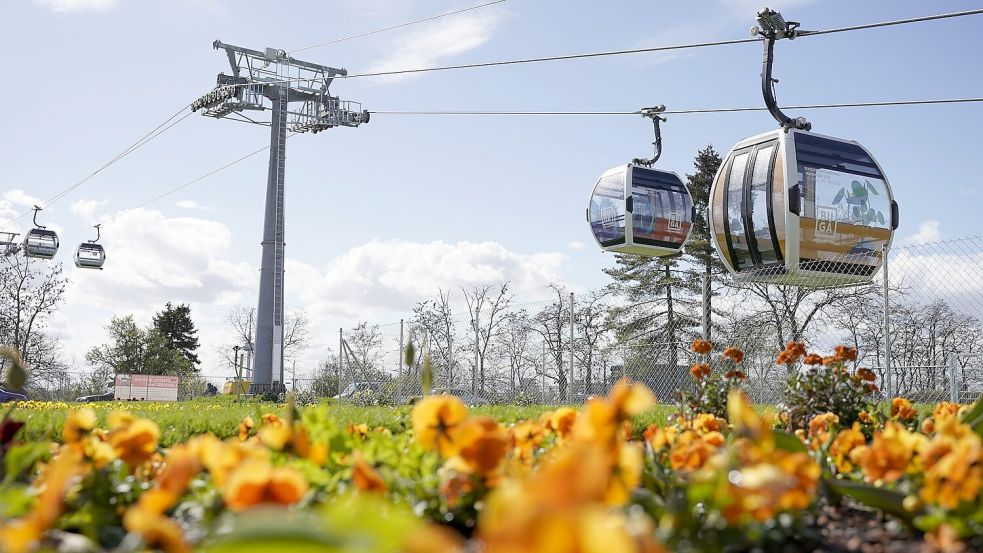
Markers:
point(175, 325)
point(699, 248)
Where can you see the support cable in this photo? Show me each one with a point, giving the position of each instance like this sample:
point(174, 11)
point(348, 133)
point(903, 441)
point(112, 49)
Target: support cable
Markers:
point(888, 103)
point(865, 26)
point(146, 138)
point(401, 25)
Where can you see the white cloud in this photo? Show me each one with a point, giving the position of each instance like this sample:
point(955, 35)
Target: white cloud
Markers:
point(382, 278)
point(151, 259)
point(928, 232)
point(65, 6)
point(86, 209)
point(7, 215)
point(19, 197)
point(191, 204)
point(575, 245)
point(430, 43)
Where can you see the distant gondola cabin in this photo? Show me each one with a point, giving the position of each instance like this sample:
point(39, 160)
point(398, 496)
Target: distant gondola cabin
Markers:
point(639, 210)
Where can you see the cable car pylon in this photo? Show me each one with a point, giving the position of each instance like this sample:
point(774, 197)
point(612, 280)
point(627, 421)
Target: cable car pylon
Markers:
point(272, 80)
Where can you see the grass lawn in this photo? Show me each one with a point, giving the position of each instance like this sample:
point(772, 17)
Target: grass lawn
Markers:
point(221, 416)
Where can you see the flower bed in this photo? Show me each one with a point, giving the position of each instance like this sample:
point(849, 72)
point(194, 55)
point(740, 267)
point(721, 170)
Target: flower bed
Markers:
point(831, 470)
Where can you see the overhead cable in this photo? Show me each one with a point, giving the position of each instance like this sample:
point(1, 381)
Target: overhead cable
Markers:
point(390, 28)
point(691, 45)
point(685, 111)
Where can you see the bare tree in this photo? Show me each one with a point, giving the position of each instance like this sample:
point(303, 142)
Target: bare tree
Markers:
point(486, 306)
point(516, 346)
point(591, 329)
point(30, 292)
point(552, 324)
point(363, 351)
point(242, 321)
point(436, 319)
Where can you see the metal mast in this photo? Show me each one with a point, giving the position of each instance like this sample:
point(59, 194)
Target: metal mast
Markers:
point(272, 80)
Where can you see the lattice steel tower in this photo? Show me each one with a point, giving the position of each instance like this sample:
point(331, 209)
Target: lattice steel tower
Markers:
point(272, 80)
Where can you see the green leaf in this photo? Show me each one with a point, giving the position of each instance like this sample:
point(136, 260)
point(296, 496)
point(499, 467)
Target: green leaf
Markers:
point(975, 412)
point(269, 529)
point(839, 196)
point(20, 458)
point(786, 441)
point(871, 188)
point(888, 501)
point(858, 189)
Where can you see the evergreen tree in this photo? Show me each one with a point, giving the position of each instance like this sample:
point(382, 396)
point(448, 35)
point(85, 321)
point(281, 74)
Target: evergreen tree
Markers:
point(175, 325)
point(699, 248)
point(664, 295)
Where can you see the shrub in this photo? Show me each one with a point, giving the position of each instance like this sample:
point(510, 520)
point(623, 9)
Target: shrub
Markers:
point(819, 385)
point(711, 388)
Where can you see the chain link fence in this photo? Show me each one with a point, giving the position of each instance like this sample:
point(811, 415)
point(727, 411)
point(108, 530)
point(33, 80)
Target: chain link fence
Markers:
point(917, 321)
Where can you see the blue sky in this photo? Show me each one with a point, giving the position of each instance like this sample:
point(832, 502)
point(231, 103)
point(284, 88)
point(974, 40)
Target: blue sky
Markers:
point(382, 215)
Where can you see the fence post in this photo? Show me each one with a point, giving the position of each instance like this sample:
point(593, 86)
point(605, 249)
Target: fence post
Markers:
point(705, 305)
point(889, 370)
point(341, 348)
point(477, 358)
point(572, 380)
point(402, 348)
point(542, 374)
point(954, 376)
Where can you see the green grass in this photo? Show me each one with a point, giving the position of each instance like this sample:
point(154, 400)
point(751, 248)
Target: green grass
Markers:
point(221, 416)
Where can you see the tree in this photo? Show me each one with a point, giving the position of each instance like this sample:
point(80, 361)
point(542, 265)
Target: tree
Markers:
point(362, 356)
point(486, 307)
point(30, 292)
point(591, 328)
point(135, 350)
point(175, 325)
point(552, 324)
point(699, 248)
point(516, 346)
point(660, 304)
point(242, 323)
point(436, 319)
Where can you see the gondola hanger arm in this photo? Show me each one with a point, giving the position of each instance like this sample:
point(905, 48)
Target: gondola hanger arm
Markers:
point(655, 114)
point(36, 209)
point(771, 27)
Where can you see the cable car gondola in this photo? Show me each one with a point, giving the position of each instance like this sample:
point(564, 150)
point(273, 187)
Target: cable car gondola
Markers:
point(791, 206)
point(40, 242)
point(90, 255)
point(640, 210)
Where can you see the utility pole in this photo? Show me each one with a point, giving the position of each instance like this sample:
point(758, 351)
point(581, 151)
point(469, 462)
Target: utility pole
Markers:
point(570, 389)
point(238, 371)
point(271, 80)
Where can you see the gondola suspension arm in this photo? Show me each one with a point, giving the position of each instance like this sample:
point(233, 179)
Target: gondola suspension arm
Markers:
point(772, 26)
point(36, 209)
point(653, 113)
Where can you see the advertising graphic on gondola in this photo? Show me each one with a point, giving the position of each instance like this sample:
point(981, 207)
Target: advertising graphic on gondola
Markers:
point(825, 222)
point(856, 200)
point(607, 209)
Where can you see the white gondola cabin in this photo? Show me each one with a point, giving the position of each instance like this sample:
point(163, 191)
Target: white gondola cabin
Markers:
point(40, 242)
point(90, 255)
point(794, 207)
point(639, 210)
